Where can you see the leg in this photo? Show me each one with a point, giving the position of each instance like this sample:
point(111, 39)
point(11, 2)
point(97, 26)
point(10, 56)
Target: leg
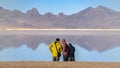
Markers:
point(72, 59)
point(57, 58)
point(65, 58)
point(69, 59)
point(54, 58)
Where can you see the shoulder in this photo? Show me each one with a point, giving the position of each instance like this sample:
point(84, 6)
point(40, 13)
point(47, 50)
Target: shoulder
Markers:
point(58, 43)
point(51, 43)
point(67, 45)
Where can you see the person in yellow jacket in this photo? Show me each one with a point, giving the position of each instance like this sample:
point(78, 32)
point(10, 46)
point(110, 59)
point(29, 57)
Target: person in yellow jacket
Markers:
point(56, 49)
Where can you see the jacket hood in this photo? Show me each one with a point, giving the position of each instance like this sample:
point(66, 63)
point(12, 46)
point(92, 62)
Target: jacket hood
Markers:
point(63, 42)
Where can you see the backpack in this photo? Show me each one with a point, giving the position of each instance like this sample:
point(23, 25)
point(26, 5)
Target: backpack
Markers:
point(59, 54)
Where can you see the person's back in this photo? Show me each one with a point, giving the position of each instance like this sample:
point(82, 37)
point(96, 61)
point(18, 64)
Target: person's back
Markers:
point(71, 53)
point(65, 50)
point(56, 49)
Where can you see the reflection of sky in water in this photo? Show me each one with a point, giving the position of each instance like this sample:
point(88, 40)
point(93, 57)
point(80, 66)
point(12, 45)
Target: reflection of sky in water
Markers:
point(42, 53)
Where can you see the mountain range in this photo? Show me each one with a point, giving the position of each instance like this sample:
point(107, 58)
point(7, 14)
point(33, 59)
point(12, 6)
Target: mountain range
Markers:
point(99, 17)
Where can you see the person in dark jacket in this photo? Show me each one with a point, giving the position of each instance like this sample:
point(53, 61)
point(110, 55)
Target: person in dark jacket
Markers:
point(65, 50)
point(71, 52)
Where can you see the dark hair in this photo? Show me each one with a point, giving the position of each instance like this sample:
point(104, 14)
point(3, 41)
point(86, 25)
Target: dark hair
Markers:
point(57, 39)
point(70, 44)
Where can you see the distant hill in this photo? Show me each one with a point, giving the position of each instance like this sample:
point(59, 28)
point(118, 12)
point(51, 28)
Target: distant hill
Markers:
point(99, 17)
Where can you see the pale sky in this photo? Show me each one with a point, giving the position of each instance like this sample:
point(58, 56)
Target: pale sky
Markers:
point(57, 6)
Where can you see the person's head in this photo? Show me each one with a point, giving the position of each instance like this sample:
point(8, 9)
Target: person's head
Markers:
point(63, 41)
point(57, 39)
point(70, 44)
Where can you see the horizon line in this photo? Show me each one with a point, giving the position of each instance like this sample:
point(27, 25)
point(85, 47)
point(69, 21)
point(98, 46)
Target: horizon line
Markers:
point(28, 29)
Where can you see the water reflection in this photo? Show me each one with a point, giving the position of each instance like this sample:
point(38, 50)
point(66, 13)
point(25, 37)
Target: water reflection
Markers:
point(90, 39)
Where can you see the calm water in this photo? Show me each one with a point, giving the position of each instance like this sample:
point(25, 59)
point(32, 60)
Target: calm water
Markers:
point(17, 45)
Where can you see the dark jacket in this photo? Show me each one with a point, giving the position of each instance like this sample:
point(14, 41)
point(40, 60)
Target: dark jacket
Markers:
point(71, 51)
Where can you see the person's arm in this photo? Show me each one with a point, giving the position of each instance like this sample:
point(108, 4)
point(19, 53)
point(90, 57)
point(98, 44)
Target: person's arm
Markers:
point(74, 49)
point(61, 48)
point(50, 47)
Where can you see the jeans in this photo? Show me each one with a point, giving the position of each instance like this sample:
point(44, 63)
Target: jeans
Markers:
point(71, 59)
point(65, 58)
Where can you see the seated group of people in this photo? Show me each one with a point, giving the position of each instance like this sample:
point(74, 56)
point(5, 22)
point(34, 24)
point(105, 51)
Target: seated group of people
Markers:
point(58, 47)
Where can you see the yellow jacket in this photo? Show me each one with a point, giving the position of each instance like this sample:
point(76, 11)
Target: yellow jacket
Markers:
point(54, 49)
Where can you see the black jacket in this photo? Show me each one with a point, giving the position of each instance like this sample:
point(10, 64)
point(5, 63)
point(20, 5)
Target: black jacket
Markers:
point(71, 51)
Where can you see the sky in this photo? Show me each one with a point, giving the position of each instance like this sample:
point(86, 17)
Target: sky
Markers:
point(57, 6)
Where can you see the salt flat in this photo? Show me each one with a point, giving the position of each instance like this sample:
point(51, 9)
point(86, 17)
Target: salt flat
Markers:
point(59, 65)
